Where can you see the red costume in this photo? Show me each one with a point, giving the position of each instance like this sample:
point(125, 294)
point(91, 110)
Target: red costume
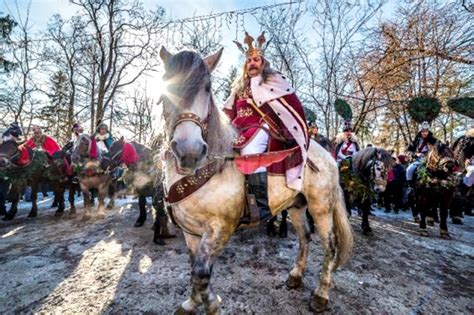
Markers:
point(46, 143)
point(272, 103)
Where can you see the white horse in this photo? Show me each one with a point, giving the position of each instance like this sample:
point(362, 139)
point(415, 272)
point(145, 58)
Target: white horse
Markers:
point(198, 133)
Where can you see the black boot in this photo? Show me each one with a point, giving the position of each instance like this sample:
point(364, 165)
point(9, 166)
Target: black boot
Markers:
point(257, 186)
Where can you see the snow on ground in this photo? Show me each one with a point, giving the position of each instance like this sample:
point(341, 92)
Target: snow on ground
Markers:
point(65, 265)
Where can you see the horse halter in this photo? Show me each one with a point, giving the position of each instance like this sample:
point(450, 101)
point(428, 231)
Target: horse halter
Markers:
point(188, 116)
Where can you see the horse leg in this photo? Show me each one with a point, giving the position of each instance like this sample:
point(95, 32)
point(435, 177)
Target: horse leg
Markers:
point(195, 300)
point(3, 190)
point(112, 189)
point(71, 198)
point(59, 197)
point(422, 208)
point(347, 199)
point(271, 231)
point(142, 207)
point(15, 198)
point(298, 218)
point(325, 226)
point(34, 196)
point(283, 232)
point(101, 198)
point(161, 217)
point(366, 229)
point(310, 220)
point(87, 203)
point(209, 247)
point(443, 209)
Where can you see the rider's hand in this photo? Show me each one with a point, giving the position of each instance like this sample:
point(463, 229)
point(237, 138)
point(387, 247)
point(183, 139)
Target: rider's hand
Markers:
point(22, 146)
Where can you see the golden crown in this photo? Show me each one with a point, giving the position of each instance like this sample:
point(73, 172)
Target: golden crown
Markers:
point(251, 49)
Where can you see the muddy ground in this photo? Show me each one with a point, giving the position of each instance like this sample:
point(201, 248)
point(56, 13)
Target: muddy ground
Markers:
point(66, 266)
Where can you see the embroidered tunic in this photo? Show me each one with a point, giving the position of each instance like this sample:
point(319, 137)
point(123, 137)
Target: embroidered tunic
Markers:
point(284, 120)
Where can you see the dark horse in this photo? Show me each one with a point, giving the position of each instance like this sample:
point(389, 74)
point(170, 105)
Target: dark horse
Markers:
point(20, 176)
point(143, 179)
point(363, 176)
point(61, 178)
point(463, 150)
point(435, 183)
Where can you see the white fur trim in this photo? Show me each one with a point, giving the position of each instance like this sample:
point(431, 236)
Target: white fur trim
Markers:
point(294, 176)
point(275, 87)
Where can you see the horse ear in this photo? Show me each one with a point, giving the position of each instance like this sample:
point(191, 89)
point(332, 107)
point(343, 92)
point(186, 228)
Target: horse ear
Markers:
point(122, 138)
point(165, 55)
point(213, 60)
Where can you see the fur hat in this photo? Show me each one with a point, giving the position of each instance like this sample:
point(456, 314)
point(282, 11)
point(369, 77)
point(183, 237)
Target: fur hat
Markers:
point(425, 126)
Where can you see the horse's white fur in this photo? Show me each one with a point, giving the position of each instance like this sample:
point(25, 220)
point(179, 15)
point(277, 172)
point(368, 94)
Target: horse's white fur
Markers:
point(211, 214)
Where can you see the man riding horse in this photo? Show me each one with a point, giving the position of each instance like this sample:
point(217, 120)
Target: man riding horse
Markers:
point(268, 115)
point(41, 141)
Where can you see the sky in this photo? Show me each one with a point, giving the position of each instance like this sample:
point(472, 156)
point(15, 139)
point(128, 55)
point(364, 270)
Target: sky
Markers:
point(42, 10)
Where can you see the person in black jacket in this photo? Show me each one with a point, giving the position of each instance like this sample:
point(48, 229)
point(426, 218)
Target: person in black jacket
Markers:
point(418, 149)
point(395, 188)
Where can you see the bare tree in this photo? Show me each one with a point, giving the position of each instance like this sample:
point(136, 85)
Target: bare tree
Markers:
point(124, 46)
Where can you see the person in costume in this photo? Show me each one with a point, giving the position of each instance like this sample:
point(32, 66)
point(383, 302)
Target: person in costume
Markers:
point(419, 148)
point(42, 141)
point(103, 138)
point(346, 143)
point(268, 115)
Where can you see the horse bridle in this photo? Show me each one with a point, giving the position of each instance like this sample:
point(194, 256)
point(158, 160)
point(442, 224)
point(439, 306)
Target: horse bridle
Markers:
point(188, 116)
point(371, 167)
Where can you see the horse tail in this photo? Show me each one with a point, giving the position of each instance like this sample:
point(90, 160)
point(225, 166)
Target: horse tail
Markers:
point(343, 230)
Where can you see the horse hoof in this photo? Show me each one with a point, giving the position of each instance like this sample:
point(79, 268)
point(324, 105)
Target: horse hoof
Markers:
point(367, 231)
point(417, 220)
point(139, 223)
point(424, 232)
point(58, 213)
point(445, 235)
point(182, 311)
point(294, 282)
point(319, 304)
point(457, 220)
point(271, 232)
point(159, 241)
point(33, 214)
point(8, 217)
point(86, 217)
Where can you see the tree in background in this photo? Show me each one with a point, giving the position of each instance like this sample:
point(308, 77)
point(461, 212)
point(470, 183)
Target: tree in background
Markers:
point(55, 116)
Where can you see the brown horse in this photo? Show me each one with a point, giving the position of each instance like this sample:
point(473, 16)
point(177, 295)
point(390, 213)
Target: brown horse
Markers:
point(198, 133)
point(91, 174)
point(435, 185)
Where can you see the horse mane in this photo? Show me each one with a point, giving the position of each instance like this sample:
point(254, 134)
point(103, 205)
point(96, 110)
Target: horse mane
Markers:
point(437, 152)
point(362, 158)
point(192, 73)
